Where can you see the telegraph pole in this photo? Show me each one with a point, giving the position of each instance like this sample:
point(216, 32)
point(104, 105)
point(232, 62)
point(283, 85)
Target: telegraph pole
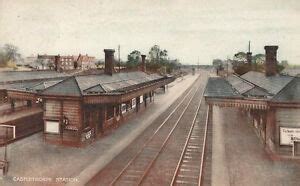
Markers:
point(119, 51)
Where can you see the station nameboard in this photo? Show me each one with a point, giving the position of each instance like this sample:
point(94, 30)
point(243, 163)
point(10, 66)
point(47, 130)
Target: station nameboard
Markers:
point(288, 134)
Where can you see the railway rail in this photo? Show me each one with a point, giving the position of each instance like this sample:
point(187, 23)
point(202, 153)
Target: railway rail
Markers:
point(190, 165)
point(180, 139)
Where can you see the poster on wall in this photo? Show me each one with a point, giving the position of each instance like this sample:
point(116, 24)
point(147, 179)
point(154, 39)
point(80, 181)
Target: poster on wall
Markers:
point(141, 99)
point(288, 135)
point(52, 127)
point(123, 108)
point(133, 103)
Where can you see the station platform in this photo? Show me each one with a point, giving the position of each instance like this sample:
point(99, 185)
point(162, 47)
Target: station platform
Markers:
point(31, 157)
point(239, 157)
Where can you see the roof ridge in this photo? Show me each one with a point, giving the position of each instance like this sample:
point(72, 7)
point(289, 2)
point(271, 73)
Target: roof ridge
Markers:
point(78, 88)
point(95, 86)
point(255, 85)
point(63, 81)
point(286, 86)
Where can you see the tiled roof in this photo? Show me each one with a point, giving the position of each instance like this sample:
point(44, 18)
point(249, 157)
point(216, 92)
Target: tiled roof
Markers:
point(13, 76)
point(68, 87)
point(290, 93)
point(256, 92)
point(239, 84)
point(32, 86)
point(219, 87)
point(89, 84)
point(273, 84)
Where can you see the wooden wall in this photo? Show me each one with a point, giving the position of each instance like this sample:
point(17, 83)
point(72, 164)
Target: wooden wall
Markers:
point(72, 110)
point(27, 125)
point(56, 110)
point(52, 109)
point(285, 117)
point(3, 94)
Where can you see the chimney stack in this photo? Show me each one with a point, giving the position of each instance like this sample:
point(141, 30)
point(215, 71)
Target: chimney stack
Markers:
point(143, 65)
point(249, 56)
point(109, 61)
point(271, 60)
point(57, 62)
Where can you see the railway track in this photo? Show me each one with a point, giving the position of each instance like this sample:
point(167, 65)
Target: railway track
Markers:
point(174, 153)
point(136, 170)
point(190, 165)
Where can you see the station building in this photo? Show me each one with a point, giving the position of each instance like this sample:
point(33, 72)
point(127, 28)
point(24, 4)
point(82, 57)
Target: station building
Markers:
point(78, 109)
point(270, 99)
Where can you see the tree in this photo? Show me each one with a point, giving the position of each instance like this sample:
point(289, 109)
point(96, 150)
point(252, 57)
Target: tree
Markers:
point(2, 58)
point(154, 54)
point(41, 62)
point(259, 59)
point(158, 55)
point(239, 63)
point(285, 63)
point(133, 59)
point(11, 52)
point(240, 57)
point(217, 63)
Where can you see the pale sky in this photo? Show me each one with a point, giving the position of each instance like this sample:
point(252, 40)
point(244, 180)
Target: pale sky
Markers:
point(188, 29)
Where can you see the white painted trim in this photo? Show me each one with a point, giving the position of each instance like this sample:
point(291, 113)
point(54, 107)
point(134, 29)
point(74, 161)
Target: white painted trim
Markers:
point(10, 126)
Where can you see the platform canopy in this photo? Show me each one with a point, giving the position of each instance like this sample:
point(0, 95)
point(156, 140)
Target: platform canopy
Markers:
point(93, 89)
point(253, 90)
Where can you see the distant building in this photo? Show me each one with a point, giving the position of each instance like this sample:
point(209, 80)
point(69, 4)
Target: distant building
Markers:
point(85, 62)
point(271, 100)
point(70, 62)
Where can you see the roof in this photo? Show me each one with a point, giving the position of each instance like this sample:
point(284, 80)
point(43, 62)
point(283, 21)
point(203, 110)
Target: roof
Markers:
point(32, 86)
point(219, 87)
point(95, 84)
point(13, 76)
point(273, 84)
point(68, 87)
point(290, 93)
point(256, 92)
point(239, 84)
point(291, 71)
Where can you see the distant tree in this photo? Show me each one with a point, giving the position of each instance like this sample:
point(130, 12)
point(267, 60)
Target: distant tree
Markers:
point(239, 63)
point(9, 53)
point(240, 57)
point(285, 63)
point(258, 59)
point(158, 55)
point(217, 63)
point(154, 54)
point(50, 65)
point(2, 58)
point(133, 59)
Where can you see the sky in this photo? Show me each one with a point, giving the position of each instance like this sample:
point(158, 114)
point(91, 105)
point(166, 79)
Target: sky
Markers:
point(190, 30)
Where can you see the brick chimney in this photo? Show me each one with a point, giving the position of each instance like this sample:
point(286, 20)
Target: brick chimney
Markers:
point(109, 61)
point(57, 62)
point(143, 65)
point(249, 56)
point(271, 60)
